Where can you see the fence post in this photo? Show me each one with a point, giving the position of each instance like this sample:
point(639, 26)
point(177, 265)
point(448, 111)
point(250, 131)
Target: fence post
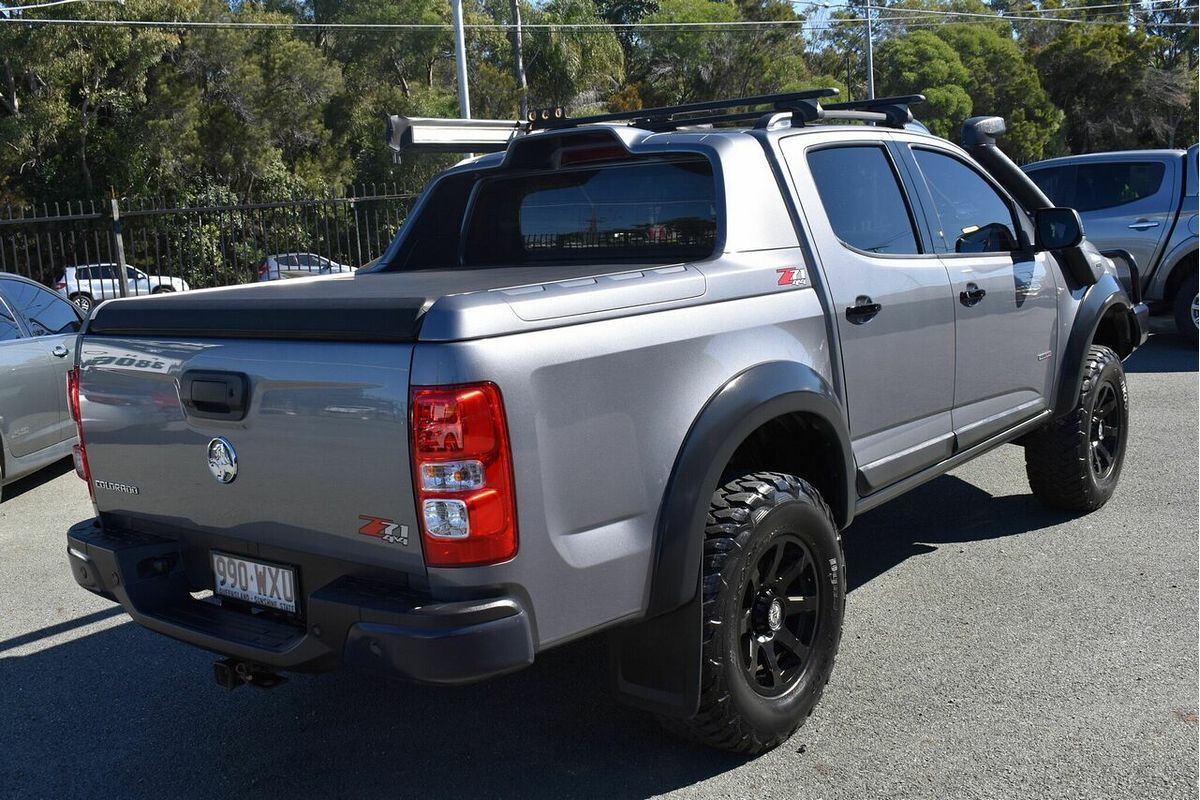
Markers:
point(118, 249)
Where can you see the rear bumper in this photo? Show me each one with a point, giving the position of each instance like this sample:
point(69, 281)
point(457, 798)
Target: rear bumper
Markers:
point(349, 621)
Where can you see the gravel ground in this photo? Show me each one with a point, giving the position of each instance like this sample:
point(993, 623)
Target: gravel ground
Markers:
point(992, 649)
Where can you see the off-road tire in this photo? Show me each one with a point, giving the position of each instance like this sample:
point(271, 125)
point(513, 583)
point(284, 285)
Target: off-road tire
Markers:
point(750, 519)
point(1185, 304)
point(1061, 459)
point(83, 302)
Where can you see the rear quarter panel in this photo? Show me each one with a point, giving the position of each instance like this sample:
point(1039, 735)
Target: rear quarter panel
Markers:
point(597, 413)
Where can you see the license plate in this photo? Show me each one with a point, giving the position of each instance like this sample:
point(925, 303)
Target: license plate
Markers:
point(267, 585)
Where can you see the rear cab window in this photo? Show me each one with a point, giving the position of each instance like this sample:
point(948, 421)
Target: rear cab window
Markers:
point(621, 209)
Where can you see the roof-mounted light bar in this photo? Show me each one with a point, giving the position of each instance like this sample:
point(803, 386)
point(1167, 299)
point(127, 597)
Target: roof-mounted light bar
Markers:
point(431, 135)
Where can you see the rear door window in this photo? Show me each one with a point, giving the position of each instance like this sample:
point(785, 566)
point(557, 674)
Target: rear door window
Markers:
point(45, 312)
point(643, 211)
point(972, 217)
point(1102, 185)
point(861, 195)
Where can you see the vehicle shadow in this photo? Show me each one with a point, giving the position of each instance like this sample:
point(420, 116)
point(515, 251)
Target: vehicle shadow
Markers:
point(1166, 351)
point(44, 475)
point(947, 510)
point(125, 712)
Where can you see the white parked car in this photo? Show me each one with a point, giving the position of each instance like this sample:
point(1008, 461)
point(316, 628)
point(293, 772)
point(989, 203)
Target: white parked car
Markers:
point(298, 265)
point(86, 285)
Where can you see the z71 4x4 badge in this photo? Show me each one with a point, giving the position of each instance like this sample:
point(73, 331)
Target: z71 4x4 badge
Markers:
point(391, 532)
point(793, 276)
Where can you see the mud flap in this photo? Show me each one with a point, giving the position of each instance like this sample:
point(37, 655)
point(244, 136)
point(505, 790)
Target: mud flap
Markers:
point(655, 664)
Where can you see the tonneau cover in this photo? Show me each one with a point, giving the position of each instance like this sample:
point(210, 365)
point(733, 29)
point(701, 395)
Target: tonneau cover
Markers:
point(361, 307)
point(319, 309)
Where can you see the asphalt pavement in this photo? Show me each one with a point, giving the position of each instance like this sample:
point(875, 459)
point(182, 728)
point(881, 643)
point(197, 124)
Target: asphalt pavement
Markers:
point(992, 649)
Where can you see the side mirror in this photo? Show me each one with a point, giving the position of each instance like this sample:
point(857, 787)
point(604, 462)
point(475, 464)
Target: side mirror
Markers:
point(1057, 228)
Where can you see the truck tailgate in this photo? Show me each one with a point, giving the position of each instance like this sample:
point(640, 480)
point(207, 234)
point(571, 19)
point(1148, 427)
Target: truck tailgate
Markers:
point(321, 445)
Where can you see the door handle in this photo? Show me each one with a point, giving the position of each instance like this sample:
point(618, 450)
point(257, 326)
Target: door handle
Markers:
point(863, 310)
point(1143, 225)
point(971, 295)
point(59, 351)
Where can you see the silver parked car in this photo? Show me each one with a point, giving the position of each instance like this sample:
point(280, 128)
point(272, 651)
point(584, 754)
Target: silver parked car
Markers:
point(1142, 202)
point(298, 265)
point(86, 285)
point(38, 331)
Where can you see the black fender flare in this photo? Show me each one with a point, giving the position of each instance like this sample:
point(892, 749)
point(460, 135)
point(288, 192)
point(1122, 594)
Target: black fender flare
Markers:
point(1098, 300)
point(752, 398)
point(656, 661)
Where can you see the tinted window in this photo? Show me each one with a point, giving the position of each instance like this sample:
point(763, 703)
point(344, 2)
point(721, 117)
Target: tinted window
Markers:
point(8, 326)
point(637, 211)
point(1108, 185)
point(83, 274)
point(862, 198)
point(1058, 183)
point(45, 311)
point(133, 274)
point(973, 217)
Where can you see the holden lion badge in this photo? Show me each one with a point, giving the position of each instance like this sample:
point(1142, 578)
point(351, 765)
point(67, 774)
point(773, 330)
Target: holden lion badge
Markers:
point(222, 460)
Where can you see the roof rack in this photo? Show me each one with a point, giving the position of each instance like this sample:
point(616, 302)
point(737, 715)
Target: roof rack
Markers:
point(671, 117)
point(801, 108)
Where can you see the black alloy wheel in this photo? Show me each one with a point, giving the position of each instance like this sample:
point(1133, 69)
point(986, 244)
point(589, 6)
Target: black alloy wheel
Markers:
point(780, 616)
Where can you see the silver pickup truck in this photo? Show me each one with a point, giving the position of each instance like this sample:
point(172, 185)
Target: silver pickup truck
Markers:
point(630, 373)
point(1145, 203)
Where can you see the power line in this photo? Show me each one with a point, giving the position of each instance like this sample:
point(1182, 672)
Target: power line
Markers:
point(504, 26)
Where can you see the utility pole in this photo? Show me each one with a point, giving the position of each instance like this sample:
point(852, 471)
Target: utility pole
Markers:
point(460, 60)
point(849, 92)
point(870, 56)
point(519, 59)
point(117, 248)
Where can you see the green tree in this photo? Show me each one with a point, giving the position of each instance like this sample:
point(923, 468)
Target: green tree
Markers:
point(922, 63)
point(1104, 80)
point(1000, 81)
point(676, 65)
point(571, 66)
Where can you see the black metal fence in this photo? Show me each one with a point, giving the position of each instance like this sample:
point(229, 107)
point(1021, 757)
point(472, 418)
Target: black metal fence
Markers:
point(205, 245)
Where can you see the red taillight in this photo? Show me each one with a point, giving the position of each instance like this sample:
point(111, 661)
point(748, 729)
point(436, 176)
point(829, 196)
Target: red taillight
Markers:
point(462, 473)
point(80, 450)
point(263, 269)
point(60, 285)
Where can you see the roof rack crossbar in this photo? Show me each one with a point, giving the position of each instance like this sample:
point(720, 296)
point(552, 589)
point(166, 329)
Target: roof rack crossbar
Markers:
point(667, 117)
point(895, 110)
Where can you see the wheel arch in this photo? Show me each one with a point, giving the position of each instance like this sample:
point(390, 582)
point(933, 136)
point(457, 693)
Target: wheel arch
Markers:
point(655, 662)
point(1106, 317)
point(772, 397)
point(1178, 272)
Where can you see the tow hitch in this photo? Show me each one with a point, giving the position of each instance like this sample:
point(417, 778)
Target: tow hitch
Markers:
point(231, 673)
